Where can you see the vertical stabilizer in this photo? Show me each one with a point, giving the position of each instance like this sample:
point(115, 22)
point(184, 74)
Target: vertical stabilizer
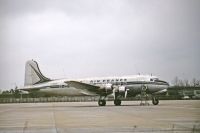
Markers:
point(33, 74)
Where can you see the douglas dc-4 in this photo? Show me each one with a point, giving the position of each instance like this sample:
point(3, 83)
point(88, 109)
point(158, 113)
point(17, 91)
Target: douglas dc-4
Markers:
point(120, 87)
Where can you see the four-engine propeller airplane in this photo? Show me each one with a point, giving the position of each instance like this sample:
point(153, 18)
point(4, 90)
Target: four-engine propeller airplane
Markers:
point(123, 86)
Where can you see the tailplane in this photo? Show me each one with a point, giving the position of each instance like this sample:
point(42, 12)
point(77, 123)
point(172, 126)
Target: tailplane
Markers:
point(33, 74)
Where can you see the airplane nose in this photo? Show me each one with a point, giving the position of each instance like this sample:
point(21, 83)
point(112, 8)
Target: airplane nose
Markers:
point(163, 82)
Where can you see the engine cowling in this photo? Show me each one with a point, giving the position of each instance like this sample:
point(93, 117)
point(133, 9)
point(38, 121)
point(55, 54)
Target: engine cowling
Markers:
point(121, 90)
point(107, 87)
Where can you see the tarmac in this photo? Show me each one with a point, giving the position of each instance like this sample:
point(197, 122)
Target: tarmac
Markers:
point(72, 117)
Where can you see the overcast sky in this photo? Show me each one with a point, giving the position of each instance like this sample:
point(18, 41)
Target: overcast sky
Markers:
point(92, 38)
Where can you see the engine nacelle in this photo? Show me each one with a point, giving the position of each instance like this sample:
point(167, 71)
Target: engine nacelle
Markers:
point(122, 89)
point(107, 87)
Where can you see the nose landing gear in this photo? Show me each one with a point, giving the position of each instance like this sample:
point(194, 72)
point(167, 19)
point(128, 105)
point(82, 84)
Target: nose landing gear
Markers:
point(155, 101)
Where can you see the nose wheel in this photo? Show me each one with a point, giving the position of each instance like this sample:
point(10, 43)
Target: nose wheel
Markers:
point(155, 101)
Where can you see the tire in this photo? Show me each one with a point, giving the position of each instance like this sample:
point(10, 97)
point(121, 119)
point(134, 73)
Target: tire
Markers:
point(155, 101)
point(102, 102)
point(117, 102)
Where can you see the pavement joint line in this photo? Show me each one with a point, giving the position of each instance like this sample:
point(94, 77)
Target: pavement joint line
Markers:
point(25, 126)
point(54, 118)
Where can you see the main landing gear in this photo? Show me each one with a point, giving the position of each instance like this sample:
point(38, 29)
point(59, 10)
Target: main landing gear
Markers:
point(117, 102)
point(102, 101)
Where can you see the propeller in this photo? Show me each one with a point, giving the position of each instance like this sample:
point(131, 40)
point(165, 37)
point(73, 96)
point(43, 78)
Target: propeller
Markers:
point(120, 90)
point(123, 90)
point(114, 93)
point(115, 89)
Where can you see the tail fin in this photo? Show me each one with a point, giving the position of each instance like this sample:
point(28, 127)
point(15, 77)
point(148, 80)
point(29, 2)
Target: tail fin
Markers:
point(33, 74)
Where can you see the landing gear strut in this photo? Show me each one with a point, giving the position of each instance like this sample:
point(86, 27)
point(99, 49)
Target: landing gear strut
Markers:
point(117, 100)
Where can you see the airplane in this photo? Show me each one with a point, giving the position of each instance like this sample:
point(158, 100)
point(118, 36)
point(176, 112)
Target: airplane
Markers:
point(118, 86)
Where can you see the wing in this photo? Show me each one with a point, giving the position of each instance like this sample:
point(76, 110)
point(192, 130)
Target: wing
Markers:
point(85, 86)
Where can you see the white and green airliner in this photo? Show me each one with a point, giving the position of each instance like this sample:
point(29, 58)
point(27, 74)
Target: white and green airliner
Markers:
point(118, 86)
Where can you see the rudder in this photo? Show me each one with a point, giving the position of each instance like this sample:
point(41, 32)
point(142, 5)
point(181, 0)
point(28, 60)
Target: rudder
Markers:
point(33, 74)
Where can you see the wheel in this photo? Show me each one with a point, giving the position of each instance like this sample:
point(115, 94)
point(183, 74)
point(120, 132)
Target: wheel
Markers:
point(155, 101)
point(102, 102)
point(117, 102)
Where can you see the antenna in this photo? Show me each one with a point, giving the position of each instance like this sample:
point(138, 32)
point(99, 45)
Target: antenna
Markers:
point(64, 72)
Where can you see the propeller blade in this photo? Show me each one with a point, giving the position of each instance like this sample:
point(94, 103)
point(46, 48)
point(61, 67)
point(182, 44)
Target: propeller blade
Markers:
point(126, 92)
point(114, 93)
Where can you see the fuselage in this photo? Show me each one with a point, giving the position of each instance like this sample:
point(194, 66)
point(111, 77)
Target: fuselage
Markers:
point(133, 83)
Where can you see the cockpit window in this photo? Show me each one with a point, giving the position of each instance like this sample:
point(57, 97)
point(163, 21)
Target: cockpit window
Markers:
point(154, 79)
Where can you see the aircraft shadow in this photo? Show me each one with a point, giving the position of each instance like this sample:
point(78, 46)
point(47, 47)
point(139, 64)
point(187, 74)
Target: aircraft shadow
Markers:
point(86, 106)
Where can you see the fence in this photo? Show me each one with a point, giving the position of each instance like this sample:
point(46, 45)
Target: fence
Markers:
point(47, 99)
